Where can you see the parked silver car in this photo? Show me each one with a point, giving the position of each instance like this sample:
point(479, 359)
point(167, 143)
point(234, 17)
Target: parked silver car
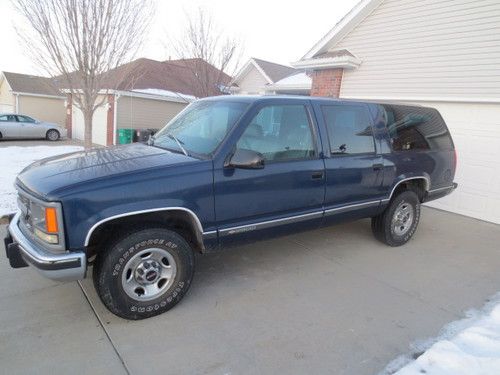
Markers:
point(13, 125)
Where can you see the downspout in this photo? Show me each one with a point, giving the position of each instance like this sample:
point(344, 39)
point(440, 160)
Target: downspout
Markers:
point(17, 103)
point(117, 96)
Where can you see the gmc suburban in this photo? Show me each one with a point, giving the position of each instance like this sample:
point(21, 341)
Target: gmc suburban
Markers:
point(225, 170)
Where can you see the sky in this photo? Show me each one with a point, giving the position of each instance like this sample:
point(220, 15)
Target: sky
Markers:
point(274, 30)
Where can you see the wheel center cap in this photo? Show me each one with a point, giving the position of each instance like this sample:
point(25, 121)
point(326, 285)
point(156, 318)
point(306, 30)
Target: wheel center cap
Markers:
point(151, 275)
point(147, 272)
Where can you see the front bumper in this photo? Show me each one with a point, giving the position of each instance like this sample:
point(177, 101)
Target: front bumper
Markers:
point(66, 266)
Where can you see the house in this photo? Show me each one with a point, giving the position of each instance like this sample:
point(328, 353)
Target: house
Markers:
point(264, 77)
point(439, 53)
point(33, 96)
point(146, 94)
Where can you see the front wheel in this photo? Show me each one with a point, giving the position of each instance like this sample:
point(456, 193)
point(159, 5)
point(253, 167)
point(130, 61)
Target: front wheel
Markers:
point(397, 224)
point(145, 273)
point(52, 135)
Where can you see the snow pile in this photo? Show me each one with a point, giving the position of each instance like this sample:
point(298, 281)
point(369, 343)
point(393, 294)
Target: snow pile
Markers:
point(469, 346)
point(13, 160)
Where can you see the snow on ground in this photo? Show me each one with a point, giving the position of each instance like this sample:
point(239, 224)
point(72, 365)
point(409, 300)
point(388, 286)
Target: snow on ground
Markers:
point(13, 160)
point(467, 347)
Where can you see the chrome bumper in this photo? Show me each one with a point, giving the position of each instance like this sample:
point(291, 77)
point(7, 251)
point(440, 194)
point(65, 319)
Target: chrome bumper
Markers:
point(66, 266)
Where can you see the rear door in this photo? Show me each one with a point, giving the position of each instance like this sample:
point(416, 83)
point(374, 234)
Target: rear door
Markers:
point(354, 169)
point(8, 126)
point(290, 189)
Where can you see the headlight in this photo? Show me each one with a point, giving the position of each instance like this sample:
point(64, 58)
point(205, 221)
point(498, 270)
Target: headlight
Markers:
point(42, 220)
point(45, 222)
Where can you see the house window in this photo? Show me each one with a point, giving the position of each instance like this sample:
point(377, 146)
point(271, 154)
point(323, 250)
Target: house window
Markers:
point(349, 129)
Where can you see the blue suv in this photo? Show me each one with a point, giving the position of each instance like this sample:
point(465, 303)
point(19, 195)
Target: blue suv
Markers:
point(226, 170)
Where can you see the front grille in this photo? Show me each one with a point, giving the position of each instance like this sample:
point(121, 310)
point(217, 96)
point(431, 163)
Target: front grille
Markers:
point(25, 206)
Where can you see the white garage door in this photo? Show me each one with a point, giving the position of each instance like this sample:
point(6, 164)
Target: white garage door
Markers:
point(98, 127)
point(476, 132)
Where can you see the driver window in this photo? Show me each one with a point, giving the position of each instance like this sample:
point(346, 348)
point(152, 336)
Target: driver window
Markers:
point(25, 119)
point(280, 133)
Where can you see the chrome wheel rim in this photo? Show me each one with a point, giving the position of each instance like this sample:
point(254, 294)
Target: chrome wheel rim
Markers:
point(149, 274)
point(402, 219)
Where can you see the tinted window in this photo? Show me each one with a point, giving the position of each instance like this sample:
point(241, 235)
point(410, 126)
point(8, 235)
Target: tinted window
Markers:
point(349, 129)
point(279, 132)
point(24, 119)
point(416, 128)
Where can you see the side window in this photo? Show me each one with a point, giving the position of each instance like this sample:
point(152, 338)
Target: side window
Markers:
point(280, 132)
point(416, 128)
point(3, 118)
point(349, 129)
point(25, 119)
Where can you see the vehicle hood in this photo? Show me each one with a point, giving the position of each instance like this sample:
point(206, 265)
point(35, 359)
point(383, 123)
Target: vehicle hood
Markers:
point(53, 175)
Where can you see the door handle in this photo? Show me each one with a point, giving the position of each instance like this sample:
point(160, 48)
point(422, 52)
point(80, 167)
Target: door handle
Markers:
point(377, 167)
point(317, 175)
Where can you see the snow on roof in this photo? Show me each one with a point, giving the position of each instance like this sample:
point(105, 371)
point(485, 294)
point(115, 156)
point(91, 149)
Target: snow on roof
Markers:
point(166, 93)
point(297, 79)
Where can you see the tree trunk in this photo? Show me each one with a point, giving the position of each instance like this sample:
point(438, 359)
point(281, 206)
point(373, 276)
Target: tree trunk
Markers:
point(87, 119)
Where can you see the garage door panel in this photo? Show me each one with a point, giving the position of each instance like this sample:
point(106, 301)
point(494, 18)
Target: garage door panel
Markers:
point(476, 132)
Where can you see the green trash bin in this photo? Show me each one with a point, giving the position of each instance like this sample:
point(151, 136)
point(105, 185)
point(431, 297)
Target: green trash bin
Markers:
point(125, 136)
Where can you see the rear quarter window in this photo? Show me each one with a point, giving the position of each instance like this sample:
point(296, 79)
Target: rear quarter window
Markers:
point(416, 128)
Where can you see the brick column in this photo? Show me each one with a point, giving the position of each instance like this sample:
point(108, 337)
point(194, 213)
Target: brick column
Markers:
point(69, 115)
point(110, 126)
point(327, 82)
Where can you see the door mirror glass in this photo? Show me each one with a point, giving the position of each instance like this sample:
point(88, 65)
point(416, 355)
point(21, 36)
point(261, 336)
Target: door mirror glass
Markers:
point(246, 159)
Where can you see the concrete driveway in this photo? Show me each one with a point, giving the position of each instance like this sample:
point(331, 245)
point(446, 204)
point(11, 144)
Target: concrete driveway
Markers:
point(331, 301)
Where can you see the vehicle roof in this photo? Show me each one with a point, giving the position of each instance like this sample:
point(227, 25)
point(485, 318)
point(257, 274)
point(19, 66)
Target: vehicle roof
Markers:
point(265, 98)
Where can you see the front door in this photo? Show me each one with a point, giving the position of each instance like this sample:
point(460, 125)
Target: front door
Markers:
point(354, 170)
point(289, 190)
point(28, 127)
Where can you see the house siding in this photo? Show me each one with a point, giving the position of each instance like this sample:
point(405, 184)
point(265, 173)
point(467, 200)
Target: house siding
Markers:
point(45, 109)
point(140, 113)
point(252, 83)
point(426, 49)
point(7, 100)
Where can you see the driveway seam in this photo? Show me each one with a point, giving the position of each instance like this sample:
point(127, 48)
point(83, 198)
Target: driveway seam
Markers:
point(122, 360)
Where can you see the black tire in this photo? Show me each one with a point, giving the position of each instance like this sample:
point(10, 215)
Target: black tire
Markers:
point(394, 235)
point(113, 266)
point(52, 135)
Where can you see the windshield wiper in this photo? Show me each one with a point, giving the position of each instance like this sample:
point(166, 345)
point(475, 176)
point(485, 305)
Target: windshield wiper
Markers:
point(179, 143)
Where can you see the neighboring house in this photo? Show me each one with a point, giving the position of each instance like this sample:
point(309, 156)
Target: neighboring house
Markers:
point(33, 96)
point(144, 94)
point(263, 77)
point(443, 54)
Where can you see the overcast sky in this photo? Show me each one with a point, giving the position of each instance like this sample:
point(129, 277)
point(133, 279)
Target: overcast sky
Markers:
point(276, 30)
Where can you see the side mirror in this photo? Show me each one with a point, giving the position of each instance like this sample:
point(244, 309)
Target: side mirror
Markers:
point(246, 159)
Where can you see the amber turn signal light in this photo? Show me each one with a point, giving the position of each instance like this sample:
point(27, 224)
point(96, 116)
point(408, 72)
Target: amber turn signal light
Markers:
point(51, 220)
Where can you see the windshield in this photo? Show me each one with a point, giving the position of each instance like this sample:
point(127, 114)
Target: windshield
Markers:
point(200, 127)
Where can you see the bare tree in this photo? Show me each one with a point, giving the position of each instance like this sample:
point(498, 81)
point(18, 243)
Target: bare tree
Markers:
point(209, 55)
point(80, 41)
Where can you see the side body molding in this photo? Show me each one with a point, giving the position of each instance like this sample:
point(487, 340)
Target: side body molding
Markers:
point(195, 220)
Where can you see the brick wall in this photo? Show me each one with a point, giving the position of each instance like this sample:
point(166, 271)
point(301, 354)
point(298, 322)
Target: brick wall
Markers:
point(326, 82)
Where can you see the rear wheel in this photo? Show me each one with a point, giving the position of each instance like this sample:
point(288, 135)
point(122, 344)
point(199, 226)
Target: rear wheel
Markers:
point(145, 273)
point(52, 135)
point(397, 224)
